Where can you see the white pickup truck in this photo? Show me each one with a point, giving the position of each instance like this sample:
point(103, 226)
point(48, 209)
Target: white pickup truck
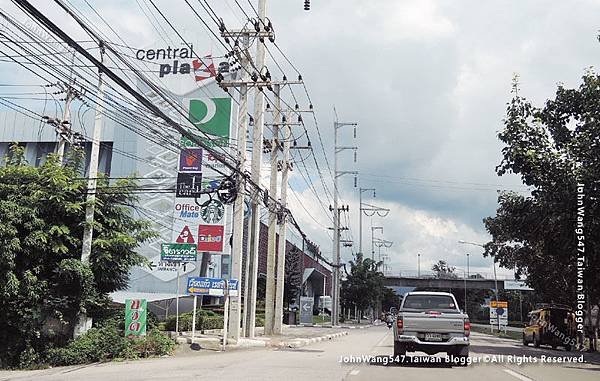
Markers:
point(431, 322)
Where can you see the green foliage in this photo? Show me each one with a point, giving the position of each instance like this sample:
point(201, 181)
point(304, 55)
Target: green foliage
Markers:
point(205, 319)
point(293, 278)
point(552, 148)
point(363, 286)
point(443, 271)
point(108, 343)
point(389, 299)
point(43, 283)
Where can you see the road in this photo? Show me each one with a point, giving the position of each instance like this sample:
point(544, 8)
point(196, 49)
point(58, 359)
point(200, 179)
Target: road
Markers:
point(322, 361)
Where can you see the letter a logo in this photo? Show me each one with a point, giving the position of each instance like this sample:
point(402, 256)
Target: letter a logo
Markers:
point(185, 236)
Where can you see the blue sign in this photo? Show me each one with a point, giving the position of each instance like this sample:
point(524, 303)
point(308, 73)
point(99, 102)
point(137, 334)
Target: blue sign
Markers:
point(211, 286)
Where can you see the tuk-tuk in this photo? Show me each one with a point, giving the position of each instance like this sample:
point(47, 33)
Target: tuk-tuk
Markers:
point(552, 325)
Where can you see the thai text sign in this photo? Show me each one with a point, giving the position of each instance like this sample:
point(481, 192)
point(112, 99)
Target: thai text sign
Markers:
point(211, 286)
point(135, 317)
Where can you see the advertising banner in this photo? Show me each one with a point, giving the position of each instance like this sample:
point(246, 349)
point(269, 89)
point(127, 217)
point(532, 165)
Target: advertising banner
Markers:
point(211, 238)
point(190, 160)
point(188, 184)
point(135, 317)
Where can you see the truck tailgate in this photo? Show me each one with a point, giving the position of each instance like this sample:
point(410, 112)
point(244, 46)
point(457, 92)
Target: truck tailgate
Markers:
point(424, 322)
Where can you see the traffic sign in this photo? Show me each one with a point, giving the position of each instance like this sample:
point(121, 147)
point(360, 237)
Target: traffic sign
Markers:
point(306, 309)
point(211, 286)
point(498, 313)
point(178, 252)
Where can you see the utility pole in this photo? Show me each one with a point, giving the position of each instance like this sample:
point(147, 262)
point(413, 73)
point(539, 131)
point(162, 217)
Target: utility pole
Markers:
point(233, 330)
point(373, 229)
point(257, 148)
point(336, 218)
point(360, 212)
point(63, 130)
point(63, 126)
point(84, 322)
point(272, 235)
point(285, 167)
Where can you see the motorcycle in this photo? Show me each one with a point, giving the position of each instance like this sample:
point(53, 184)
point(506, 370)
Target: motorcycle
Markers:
point(389, 324)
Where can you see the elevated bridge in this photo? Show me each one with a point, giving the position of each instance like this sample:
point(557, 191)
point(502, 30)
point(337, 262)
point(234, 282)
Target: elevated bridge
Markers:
point(449, 283)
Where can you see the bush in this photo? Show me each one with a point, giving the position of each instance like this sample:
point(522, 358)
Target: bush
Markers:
point(205, 319)
point(107, 343)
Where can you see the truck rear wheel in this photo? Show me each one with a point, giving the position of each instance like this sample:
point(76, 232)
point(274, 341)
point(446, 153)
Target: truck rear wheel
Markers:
point(399, 349)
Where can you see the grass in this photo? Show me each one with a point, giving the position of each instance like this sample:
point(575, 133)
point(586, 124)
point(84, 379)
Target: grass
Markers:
point(508, 335)
point(320, 319)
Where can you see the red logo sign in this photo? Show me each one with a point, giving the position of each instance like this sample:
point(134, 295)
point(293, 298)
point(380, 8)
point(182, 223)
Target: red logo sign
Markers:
point(185, 236)
point(210, 238)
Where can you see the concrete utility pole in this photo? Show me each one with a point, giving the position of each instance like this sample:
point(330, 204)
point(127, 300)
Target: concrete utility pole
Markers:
point(285, 167)
point(84, 322)
point(257, 148)
point(336, 220)
point(238, 206)
point(63, 130)
point(272, 240)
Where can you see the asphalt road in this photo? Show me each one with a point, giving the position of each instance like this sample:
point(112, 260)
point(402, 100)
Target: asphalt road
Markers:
point(322, 361)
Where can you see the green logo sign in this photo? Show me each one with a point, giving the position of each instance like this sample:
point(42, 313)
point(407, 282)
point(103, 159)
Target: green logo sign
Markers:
point(178, 252)
point(212, 116)
point(135, 317)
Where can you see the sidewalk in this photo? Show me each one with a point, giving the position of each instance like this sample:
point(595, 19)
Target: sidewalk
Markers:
point(292, 337)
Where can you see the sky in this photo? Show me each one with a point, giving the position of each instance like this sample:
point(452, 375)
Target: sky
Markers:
point(427, 82)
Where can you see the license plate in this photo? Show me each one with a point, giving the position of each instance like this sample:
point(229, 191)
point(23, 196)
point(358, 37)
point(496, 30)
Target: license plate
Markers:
point(433, 337)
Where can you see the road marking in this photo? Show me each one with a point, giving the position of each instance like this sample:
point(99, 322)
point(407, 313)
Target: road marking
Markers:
point(517, 375)
point(354, 372)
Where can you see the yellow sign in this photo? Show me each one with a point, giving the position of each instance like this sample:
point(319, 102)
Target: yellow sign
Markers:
point(499, 304)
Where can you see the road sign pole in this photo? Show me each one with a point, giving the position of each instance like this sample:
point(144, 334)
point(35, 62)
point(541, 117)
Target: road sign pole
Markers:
point(194, 318)
point(225, 314)
point(177, 304)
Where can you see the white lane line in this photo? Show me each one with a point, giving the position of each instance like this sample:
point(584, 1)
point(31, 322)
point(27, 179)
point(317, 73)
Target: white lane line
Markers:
point(354, 372)
point(517, 375)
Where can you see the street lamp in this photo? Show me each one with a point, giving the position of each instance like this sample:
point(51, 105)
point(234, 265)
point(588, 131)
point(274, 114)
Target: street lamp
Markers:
point(467, 276)
point(495, 277)
point(419, 265)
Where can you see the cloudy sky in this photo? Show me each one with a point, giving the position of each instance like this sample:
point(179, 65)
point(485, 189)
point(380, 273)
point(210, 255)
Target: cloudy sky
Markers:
point(427, 81)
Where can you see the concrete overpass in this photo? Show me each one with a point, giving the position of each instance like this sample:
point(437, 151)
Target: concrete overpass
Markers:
point(444, 284)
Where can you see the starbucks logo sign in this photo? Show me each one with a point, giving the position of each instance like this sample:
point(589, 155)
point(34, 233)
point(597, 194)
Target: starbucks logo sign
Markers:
point(212, 211)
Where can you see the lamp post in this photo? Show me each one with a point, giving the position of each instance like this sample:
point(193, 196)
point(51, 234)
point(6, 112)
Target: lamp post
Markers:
point(419, 265)
point(495, 277)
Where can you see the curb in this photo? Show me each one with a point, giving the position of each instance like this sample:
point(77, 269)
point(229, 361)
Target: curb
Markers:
point(301, 342)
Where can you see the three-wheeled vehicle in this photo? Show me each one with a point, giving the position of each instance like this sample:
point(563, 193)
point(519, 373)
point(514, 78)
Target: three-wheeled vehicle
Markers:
point(552, 325)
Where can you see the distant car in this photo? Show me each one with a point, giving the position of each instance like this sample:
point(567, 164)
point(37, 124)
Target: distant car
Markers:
point(431, 322)
point(551, 325)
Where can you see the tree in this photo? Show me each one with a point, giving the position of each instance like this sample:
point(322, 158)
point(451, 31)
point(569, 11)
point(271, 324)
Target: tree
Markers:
point(553, 149)
point(389, 299)
point(443, 271)
point(293, 278)
point(43, 283)
point(363, 286)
